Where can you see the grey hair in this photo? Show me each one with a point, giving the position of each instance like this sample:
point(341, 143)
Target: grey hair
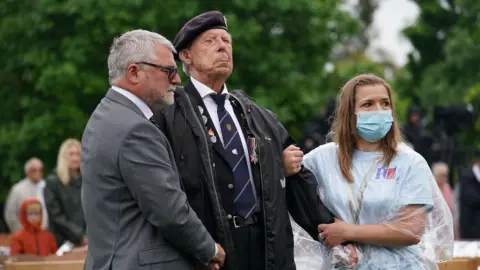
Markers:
point(438, 167)
point(185, 69)
point(29, 162)
point(131, 47)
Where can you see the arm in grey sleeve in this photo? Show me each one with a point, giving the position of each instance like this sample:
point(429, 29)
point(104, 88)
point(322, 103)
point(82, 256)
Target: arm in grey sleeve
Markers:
point(151, 177)
point(12, 212)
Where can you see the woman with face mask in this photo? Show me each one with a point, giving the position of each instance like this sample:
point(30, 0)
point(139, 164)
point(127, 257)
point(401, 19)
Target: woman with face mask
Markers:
point(382, 190)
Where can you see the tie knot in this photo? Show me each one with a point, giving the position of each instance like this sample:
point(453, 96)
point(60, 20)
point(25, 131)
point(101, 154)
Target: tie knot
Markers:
point(219, 99)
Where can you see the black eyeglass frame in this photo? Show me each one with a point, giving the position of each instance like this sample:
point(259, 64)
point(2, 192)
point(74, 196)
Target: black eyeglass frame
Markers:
point(171, 71)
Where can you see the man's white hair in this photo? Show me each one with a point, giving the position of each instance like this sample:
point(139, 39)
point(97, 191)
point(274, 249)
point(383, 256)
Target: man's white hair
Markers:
point(29, 163)
point(185, 69)
point(132, 47)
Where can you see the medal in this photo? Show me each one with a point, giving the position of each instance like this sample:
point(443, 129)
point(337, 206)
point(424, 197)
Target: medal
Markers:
point(213, 138)
point(205, 119)
point(200, 108)
point(252, 144)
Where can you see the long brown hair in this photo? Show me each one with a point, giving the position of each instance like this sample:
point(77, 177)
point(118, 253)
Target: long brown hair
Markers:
point(344, 132)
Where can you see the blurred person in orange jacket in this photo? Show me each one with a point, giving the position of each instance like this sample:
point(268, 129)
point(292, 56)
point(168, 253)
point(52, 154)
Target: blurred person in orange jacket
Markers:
point(32, 239)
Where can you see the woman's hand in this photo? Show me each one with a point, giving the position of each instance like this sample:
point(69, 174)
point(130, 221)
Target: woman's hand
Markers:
point(334, 234)
point(353, 255)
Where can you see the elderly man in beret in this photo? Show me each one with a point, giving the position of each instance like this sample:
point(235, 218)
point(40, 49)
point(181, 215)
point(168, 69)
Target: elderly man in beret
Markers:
point(233, 157)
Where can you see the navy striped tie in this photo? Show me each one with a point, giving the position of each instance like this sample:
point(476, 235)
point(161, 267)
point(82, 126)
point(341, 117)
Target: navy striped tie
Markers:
point(244, 202)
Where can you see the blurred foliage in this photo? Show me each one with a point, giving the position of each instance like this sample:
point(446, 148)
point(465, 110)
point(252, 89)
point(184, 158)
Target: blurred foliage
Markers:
point(446, 63)
point(54, 56)
point(445, 66)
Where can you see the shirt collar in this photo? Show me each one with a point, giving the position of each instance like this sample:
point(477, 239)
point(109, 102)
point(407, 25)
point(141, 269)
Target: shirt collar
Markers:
point(40, 183)
point(205, 91)
point(136, 100)
point(476, 172)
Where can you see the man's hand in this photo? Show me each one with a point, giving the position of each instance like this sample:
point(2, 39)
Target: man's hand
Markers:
point(213, 266)
point(335, 233)
point(219, 258)
point(292, 157)
point(84, 241)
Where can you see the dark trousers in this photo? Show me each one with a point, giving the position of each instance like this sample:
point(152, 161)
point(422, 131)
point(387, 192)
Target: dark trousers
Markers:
point(249, 246)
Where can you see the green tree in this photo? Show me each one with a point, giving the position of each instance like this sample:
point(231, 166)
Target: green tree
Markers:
point(445, 64)
point(444, 69)
point(428, 37)
point(54, 61)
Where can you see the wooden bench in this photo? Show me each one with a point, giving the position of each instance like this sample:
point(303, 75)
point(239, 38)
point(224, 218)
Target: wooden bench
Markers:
point(72, 261)
point(44, 265)
point(459, 264)
point(476, 261)
point(5, 240)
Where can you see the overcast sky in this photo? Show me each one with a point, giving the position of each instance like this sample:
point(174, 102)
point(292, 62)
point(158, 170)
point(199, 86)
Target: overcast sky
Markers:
point(389, 19)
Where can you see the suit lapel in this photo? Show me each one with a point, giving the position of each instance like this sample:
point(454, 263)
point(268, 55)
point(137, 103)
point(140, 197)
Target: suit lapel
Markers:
point(250, 139)
point(206, 119)
point(168, 117)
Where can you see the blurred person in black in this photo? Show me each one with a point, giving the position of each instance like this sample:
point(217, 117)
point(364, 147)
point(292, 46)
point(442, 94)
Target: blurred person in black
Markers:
point(62, 195)
point(316, 132)
point(417, 135)
point(469, 201)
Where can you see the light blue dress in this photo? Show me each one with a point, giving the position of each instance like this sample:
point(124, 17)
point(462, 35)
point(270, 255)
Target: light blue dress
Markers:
point(405, 181)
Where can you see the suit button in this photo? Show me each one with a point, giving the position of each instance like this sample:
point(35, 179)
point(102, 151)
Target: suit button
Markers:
point(230, 186)
point(213, 164)
point(229, 216)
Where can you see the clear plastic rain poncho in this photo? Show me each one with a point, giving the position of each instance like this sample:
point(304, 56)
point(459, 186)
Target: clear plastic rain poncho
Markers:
point(402, 195)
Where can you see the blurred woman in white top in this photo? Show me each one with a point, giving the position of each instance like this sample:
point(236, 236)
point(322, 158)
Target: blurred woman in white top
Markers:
point(383, 190)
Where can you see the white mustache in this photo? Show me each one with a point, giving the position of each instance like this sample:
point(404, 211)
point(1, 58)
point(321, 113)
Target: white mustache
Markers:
point(171, 87)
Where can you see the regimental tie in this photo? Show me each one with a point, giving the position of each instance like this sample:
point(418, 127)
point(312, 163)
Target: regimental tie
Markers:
point(244, 202)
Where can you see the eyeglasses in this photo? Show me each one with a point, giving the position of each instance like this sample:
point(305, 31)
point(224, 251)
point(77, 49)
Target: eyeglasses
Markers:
point(34, 214)
point(171, 71)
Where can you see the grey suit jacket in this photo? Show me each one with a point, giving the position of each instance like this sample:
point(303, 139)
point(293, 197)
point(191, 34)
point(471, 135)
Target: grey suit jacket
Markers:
point(136, 213)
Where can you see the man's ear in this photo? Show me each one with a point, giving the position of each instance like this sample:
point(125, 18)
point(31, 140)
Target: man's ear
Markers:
point(133, 75)
point(185, 56)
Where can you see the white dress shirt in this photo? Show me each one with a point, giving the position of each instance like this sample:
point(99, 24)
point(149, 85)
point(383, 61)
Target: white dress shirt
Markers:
point(136, 100)
point(205, 93)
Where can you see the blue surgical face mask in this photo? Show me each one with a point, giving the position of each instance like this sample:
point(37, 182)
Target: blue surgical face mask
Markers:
point(374, 125)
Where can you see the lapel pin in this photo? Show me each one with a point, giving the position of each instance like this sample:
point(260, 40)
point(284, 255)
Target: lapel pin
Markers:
point(213, 138)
